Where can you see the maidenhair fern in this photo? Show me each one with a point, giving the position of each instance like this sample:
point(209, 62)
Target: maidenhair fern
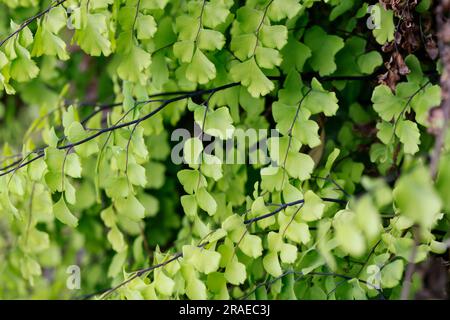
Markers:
point(220, 149)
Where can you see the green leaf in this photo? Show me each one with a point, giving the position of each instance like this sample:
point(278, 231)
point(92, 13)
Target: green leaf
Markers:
point(136, 175)
point(109, 217)
point(299, 165)
point(23, 68)
point(217, 283)
point(272, 264)
point(288, 253)
point(116, 264)
point(196, 290)
point(267, 58)
point(274, 36)
point(191, 152)
point(115, 237)
point(36, 169)
point(384, 21)
point(132, 64)
point(368, 62)
point(323, 48)
point(92, 35)
point(293, 230)
point(48, 43)
point(319, 100)
point(272, 178)
point(385, 131)
point(341, 8)
point(163, 284)
point(249, 74)
point(295, 54)
point(280, 9)
point(438, 247)
point(391, 274)
point(251, 245)
point(146, 27)
point(385, 103)
point(249, 19)
point(76, 133)
point(409, 135)
point(274, 241)
point(349, 237)
point(201, 69)
point(56, 19)
point(416, 198)
point(258, 209)
point(218, 123)
point(72, 165)
point(205, 261)
point(190, 179)
point(100, 4)
point(312, 208)
point(243, 46)
point(206, 201)
point(189, 203)
point(54, 159)
point(212, 166)
point(368, 218)
point(130, 207)
point(210, 40)
point(63, 214)
point(235, 272)
point(184, 50)
point(424, 101)
point(216, 13)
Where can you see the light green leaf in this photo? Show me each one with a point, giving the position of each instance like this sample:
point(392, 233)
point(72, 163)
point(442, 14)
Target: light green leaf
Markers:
point(274, 36)
point(235, 272)
point(210, 40)
point(299, 165)
point(288, 253)
point(189, 203)
point(190, 179)
point(191, 152)
point(196, 290)
point(218, 123)
point(272, 264)
point(280, 9)
point(267, 58)
point(251, 245)
point(63, 214)
point(92, 36)
point(201, 69)
point(146, 27)
point(205, 261)
point(348, 235)
point(391, 274)
point(319, 100)
point(206, 202)
point(252, 77)
point(312, 208)
point(72, 165)
point(184, 50)
point(409, 135)
point(416, 198)
point(115, 237)
point(130, 207)
point(384, 22)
